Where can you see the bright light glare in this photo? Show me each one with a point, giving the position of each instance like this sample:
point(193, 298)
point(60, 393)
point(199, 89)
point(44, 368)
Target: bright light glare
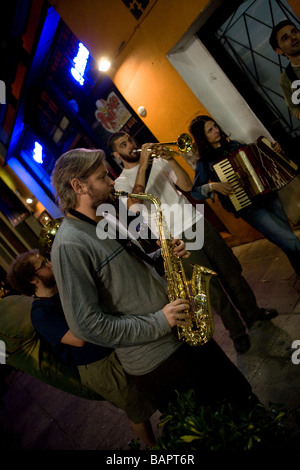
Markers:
point(104, 65)
point(80, 62)
point(38, 152)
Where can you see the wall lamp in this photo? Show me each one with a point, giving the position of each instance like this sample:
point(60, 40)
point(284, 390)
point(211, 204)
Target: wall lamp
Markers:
point(104, 64)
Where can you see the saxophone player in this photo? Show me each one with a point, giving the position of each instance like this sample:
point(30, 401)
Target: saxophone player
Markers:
point(113, 297)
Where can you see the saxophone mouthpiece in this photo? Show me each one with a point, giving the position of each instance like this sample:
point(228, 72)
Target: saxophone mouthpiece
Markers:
point(120, 194)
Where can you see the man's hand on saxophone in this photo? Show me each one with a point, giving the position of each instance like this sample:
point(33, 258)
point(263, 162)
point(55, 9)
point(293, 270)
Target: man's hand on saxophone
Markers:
point(179, 248)
point(175, 311)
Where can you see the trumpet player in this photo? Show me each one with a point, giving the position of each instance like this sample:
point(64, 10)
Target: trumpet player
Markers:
point(140, 159)
point(162, 180)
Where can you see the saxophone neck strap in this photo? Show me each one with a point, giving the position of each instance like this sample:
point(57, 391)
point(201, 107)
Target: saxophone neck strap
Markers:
point(126, 243)
point(81, 216)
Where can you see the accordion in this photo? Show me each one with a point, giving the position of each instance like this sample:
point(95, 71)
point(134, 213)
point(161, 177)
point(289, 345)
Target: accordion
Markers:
point(254, 170)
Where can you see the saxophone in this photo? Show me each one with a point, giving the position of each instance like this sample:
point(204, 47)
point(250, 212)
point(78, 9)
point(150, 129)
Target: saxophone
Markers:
point(199, 327)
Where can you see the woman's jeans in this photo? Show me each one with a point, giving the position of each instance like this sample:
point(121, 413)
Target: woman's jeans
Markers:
point(270, 219)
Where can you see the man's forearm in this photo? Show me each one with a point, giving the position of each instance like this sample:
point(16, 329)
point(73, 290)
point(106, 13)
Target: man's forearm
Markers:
point(140, 181)
point(139, 186)
point(183, 181)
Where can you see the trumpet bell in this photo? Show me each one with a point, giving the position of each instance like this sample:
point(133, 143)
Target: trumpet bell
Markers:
point(185, 143)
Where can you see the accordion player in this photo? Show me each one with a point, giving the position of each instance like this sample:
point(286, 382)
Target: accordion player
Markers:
point(254, 170)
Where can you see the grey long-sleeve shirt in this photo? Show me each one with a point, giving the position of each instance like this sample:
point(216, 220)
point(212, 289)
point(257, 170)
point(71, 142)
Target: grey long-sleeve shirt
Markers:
point(110, 297)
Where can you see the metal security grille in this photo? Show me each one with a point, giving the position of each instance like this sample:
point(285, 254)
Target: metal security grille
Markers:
point(245, 36)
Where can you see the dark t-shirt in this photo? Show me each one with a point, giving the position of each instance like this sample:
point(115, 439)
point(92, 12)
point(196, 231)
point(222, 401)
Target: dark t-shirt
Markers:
point(49, 321)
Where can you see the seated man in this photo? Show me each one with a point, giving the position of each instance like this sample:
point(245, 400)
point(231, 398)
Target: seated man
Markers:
point(98, 367)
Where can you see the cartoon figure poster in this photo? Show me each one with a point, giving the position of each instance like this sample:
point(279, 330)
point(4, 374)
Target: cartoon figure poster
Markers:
point(111, 113)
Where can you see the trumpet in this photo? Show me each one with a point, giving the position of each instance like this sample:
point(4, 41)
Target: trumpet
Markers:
point(184, 144)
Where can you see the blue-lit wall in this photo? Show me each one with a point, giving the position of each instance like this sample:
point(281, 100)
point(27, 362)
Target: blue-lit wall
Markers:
point(66, 103)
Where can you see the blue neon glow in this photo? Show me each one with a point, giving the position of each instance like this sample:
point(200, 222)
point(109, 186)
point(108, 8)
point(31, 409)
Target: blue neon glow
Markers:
point(38, 153)
point(35, 187)
point(80, 62)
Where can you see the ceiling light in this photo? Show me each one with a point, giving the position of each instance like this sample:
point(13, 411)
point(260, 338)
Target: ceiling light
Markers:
point(104, 65)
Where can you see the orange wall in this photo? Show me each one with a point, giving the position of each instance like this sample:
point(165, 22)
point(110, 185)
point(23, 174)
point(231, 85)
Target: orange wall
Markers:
point(145, 76)
point(295, 6)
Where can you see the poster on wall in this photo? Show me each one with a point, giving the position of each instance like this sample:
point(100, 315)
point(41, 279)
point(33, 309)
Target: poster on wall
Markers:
point(112, 114)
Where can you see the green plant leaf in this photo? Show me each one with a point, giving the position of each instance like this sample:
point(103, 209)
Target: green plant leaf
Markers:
point(190, 438)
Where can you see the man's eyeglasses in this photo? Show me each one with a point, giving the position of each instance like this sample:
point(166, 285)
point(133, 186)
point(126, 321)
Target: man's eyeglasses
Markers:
point(43, 263)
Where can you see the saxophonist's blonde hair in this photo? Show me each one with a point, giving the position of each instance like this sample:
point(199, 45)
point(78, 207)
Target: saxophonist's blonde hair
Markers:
point(78, 163)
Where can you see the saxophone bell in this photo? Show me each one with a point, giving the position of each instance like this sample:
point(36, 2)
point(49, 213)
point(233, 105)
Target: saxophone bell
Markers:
point(199, 319)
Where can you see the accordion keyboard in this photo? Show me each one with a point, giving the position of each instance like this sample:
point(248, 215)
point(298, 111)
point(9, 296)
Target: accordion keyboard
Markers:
point(226, 174)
